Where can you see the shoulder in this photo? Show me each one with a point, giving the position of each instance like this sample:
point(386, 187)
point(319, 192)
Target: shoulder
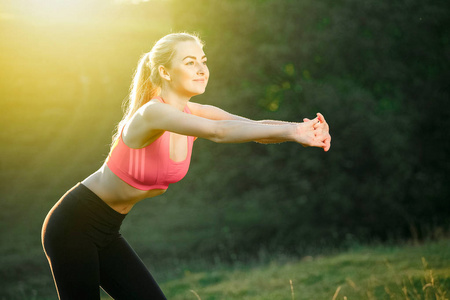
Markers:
point(152, 104)
point(155, 110)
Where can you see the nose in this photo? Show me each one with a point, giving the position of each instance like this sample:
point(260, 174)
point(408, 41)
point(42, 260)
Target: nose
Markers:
point(201, 69)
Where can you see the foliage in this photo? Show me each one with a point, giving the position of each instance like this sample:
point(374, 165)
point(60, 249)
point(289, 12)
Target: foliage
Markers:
point(378, 73)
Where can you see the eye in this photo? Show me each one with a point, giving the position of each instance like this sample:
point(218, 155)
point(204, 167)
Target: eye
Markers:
point(205, 62)
point(190, 63)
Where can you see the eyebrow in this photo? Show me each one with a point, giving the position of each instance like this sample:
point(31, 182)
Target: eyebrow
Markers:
point(193, 57)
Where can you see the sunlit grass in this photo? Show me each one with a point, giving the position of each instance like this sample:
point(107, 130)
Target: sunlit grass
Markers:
point(379, 273)
point(372, 273)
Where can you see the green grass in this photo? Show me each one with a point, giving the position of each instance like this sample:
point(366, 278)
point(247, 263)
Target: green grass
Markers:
point(409, 272)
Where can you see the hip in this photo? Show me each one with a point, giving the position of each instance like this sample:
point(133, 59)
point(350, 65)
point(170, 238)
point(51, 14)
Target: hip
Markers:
point(81, 213)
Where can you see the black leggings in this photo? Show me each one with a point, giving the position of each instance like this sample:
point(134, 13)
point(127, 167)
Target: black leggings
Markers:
point(85, 250)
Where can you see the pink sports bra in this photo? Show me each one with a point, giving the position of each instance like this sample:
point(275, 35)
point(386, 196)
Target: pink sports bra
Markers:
point(150, 167)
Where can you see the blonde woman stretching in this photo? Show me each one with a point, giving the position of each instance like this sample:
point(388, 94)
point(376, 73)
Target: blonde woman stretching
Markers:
point(152, 149)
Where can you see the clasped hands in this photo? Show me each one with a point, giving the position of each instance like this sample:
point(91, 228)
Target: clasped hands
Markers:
point(314, 133)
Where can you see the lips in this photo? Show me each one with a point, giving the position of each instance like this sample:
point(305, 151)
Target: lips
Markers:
point(200, 80)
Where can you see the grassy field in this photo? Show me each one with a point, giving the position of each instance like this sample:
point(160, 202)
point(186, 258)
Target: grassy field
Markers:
point(408, 272)
point(412, 272)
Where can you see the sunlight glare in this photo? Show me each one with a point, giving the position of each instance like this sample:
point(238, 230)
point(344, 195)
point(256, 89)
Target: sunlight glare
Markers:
point(61, 9)
point(130, 1)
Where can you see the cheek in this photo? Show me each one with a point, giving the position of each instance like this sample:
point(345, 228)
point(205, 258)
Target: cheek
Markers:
point(180, 77)
point(186, 75)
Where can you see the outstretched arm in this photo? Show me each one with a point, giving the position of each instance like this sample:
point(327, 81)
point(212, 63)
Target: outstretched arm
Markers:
point(215, 113)
point(154, 118)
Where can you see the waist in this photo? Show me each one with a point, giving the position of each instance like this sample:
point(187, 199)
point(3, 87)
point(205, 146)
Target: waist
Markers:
point(91, 202)
point(116, 193)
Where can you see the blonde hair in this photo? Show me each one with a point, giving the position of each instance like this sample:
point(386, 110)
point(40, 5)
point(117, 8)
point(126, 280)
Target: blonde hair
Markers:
point(147, 82)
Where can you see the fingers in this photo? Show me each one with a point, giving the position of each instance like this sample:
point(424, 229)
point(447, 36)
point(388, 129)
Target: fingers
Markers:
point(321, 118)
point(318, 142)
point(322, 135)
point(316, 119)
point(327, 142)
point(327, 145)
point(322, 138)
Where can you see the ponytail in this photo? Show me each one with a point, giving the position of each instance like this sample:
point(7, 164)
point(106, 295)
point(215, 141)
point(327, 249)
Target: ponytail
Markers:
point(142, 90)
point(142, 87)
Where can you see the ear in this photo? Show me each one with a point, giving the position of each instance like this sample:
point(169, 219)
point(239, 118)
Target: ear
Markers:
point(163, 73)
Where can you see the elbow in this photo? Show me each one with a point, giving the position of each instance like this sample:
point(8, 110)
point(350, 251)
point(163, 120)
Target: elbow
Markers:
point(217, 133)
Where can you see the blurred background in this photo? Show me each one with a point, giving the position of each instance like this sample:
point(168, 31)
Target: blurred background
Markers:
point(378, 70)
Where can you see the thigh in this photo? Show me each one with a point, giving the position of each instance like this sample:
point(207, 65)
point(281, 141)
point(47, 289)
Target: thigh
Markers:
point(123, 275)
point(72, 256)
point(75, 269)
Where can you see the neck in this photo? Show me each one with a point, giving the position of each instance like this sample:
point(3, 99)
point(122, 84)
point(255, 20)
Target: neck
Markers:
point(174, 99)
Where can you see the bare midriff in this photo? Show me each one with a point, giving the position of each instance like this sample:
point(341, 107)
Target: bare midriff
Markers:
point(119, 195)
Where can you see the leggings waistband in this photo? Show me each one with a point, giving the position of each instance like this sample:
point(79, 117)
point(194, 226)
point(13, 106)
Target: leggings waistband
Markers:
point(94, 206)
point(96, 200)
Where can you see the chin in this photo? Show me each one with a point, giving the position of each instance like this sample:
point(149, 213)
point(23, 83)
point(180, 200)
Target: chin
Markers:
point(198, 92)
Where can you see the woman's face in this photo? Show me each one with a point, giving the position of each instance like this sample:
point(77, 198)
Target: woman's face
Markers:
point(188, 71)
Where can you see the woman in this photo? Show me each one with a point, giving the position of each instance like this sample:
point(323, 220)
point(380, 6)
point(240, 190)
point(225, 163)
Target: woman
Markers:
point(151, 149)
